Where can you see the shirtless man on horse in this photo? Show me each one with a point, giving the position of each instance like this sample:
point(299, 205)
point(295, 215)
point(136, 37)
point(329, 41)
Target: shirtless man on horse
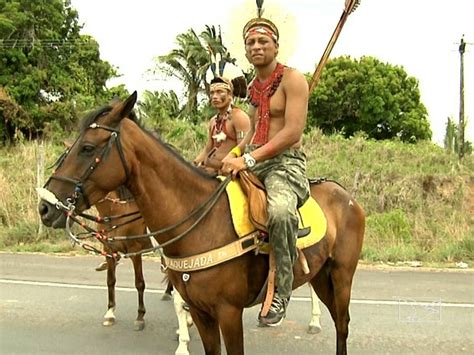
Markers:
point(227, 128)
point(279, 98)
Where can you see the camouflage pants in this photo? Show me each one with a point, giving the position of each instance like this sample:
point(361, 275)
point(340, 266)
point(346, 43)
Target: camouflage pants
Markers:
point(284, 177)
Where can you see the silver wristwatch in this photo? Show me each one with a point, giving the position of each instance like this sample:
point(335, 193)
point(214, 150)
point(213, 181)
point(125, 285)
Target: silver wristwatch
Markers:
point(249, 160)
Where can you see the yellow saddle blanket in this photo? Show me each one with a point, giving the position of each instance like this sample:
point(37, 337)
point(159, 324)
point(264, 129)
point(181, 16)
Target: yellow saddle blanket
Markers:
point(311, 217)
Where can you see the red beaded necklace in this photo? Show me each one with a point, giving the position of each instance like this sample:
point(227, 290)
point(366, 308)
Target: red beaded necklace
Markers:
point(260, 94)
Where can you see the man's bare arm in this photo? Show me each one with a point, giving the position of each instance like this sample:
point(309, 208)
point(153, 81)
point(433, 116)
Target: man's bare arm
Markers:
point(241, 124)
point(207, 148)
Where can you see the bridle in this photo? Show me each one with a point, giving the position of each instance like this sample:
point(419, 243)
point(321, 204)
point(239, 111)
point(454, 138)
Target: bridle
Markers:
point(79, 183)
point(199, 212)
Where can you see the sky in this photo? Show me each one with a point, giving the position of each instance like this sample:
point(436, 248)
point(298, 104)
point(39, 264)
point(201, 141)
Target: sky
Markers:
point(422, 36)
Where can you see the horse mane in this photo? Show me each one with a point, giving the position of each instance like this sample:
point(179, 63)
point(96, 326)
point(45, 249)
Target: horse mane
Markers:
point(124, 194)
point(175, 152)
point(92, 116)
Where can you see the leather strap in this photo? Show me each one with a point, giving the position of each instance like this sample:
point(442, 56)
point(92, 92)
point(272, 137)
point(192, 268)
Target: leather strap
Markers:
point(303, 261)
point(270, 286)
point(214, 257)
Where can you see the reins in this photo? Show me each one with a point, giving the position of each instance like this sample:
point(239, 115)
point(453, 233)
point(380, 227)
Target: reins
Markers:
point(206, 207)
point(201, 211)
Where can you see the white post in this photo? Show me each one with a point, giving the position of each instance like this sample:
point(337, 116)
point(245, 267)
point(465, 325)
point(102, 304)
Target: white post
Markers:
point(39, 176)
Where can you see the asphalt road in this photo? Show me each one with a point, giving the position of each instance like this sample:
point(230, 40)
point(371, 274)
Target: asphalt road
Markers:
point(54, 305)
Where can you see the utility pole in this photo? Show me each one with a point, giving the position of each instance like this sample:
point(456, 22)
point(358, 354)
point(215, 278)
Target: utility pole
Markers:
point(462, 49)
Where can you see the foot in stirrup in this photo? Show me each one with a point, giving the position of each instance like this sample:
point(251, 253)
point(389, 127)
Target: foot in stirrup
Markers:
point(102, 266)
point(276, 313)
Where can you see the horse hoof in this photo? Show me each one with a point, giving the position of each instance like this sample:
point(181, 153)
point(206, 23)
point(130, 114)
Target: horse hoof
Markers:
point(108, 322)
point(182, 349)
point(139, 325)
point(166, 297)
point(314, 329)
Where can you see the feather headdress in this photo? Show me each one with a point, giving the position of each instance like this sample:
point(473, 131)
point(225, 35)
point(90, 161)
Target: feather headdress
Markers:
point(261, 25)
point(283, 23)
point(229, 74)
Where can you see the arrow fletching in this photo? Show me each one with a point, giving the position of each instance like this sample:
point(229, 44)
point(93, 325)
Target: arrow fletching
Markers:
point(350, 6)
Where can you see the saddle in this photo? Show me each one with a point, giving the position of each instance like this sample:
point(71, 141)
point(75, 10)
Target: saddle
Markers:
point(257, 198)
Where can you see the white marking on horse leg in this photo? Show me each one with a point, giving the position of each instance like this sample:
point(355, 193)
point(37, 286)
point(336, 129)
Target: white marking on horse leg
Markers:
point(183, 332)
point(351, 203)
point(314, 326)
point(182, 349)
point(109, 317)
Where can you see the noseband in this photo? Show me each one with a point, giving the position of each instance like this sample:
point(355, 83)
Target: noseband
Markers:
point(79, 183)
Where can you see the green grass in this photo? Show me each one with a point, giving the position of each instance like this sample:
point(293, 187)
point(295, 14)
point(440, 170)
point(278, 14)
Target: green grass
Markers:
point(417, 197)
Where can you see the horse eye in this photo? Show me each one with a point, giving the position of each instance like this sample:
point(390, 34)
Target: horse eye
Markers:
point(87, 149)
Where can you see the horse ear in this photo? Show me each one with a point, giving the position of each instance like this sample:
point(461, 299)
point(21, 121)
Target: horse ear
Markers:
point(128, 104)
point(122, 110)
point(68, 143)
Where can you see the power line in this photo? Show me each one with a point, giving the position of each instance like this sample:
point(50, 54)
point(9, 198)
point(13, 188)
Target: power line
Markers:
point(26, 43)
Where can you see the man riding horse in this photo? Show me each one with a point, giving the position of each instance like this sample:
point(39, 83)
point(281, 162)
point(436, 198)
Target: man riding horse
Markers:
point(272, 150)
point(228, 127)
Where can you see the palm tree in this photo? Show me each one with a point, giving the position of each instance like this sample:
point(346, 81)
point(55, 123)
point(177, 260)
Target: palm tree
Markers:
point(186, 63)
point(191, 61)
point(157, 107)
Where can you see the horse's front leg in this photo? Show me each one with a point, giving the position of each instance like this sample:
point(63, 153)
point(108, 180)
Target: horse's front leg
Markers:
point(230, 322)
point(314, 326)
point(183, 332)
point(208, 328)
point(167, 294)
point(109, 317)
point(140, 286)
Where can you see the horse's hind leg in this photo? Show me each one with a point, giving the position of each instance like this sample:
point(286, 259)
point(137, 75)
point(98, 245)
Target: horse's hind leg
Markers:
point(109, 317)
point(140, 286)
point(230, 322)
point(208, 330)
point(314, 326)
point(333, 286)
point(342, 280)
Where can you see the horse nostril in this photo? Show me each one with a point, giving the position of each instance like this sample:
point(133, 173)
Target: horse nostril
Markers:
point(43, 209)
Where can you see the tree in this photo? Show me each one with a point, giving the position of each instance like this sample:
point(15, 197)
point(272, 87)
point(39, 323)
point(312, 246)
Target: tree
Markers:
point(46, 66)
point(190, 62)
point(370, 96)
point(158, 107)
point(451, 139)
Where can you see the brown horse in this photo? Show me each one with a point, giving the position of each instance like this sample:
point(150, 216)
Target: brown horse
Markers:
point(120, 203)
point(111, 151)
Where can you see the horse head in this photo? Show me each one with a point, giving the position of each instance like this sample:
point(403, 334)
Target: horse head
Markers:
point(93, 166)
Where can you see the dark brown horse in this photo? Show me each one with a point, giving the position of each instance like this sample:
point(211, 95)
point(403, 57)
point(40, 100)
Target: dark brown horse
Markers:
point(120, 209)
point(111, 151)
point(121, 205)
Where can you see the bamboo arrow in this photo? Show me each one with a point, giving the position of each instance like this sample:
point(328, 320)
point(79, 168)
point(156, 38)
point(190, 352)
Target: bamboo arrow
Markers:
point(349, 7)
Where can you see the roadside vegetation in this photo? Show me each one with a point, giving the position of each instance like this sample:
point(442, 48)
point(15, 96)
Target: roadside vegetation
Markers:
point(418, 197)
point(367, 128)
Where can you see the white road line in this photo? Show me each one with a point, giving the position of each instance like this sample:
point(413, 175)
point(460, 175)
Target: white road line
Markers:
point(400, 301)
